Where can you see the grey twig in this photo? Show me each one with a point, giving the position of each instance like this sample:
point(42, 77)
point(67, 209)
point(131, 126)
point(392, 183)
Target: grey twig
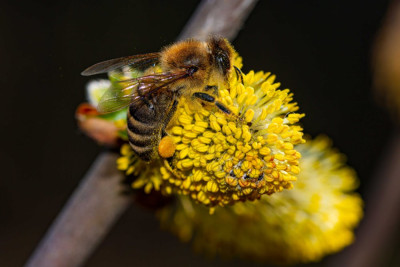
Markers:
point(219, 17)
point(97, 203)
point(86, 218)
point(382, 215)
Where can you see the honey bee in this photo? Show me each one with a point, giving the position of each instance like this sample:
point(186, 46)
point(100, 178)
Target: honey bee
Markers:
point(152, 97)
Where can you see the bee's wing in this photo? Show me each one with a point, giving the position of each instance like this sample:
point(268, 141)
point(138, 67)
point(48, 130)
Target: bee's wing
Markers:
point(129, 91)
point(137, 62)
point(114, 99)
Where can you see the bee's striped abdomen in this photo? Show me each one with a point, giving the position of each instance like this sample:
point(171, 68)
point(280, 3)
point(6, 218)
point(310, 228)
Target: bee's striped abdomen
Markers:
point(143, 132)
point(145, 124)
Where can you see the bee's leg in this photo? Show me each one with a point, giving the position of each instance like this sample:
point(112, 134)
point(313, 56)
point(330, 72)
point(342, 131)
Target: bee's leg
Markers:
point(169, 115)
point(208, 98)
point(166, 147)
point(239, 74)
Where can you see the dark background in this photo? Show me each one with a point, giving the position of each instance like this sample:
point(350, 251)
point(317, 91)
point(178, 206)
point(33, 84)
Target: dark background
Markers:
point(320, 49)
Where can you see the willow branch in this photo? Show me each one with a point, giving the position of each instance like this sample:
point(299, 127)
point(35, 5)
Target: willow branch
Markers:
point(218, 17)
point(382, 216)
point(377, 232)
point(86, 218)
point(97, 203)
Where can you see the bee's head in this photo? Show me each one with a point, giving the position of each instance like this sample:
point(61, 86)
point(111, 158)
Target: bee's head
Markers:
point(190, 56)
point(222, 55)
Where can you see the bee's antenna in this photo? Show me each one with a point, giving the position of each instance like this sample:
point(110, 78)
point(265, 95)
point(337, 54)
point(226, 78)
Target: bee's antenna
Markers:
point(239, 73)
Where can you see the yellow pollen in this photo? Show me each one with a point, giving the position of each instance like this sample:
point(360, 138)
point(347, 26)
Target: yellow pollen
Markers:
point(167, 147)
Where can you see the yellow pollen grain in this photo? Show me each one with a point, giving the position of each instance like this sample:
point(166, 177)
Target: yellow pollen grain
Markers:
point(205, 113)
point(197, 176)
point(233, 92)
point(183, 153)
point(195, 142)
point(246, 135)
point(226, 130)
point(232, 126)
point(251, 100)
point(212, 186)
point(185, 119)
point(249, 115)
point(229, 100)
point(190, 135)
point(130, 170)
point(220, 174)
point(241, 98)
point(222, 121)
point(187, 109)
point(208, 134)
point(243, 183)
point(247, 191)
point(238, 133)
point(221, 137)
point(240, 89)
point(186, 140)
point(281, 167)
point(188, 127)
point(206, 178)
point(202, 148)
point(186, 184)
point(122, 163)
point(245, 166)
point(238, 172)
point(231, 139)
point(215, 126)
point(271, 79)
point(288, 146)
point(198, 129)
point(198, 118)
point(263, 115)
point(187, 163)
point(250, 90)
point(256, 145)
point(295, 169)
point(209, 156)
point(231, 150)
point(201, 124)
point(231, 181)
point(201, 196)
point(249, 78)
point(177, 139)
point(239, 155)
point(204, 140)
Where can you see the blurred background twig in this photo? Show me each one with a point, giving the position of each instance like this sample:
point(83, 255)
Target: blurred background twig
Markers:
point(98, 201)
point(377, 233)
point(379, 229)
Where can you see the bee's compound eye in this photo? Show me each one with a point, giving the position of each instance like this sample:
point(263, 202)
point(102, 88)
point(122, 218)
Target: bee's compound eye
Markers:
point(167, 147)
point(223, 61)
